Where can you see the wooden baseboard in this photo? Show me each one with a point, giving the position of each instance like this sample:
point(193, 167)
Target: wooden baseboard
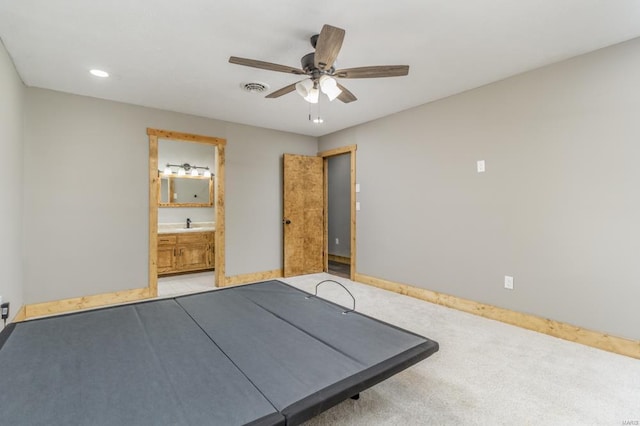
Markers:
point(340, 259)
point(558, 329)
point(86, 302)
point(254, 277)
point(21, 315)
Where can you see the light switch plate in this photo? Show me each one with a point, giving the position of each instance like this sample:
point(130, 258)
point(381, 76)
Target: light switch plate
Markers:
point(508, 282)
point(358, 205)
point(357, 187)
point(481, 166)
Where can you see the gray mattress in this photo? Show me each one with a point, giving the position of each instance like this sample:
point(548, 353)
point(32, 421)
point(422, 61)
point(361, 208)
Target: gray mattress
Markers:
point(256, 354)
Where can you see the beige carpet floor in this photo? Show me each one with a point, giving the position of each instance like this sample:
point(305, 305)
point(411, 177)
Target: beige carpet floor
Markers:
point(486, 372)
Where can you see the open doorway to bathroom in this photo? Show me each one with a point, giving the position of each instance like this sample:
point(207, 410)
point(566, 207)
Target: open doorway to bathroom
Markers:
point(186, 213)
point(186, 217)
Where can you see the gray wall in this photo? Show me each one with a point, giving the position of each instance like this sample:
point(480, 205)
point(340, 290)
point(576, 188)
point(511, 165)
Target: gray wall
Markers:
point(11, 136)
point(255, 168)
point(558, 207)
point(339, 214)
point(87, 220)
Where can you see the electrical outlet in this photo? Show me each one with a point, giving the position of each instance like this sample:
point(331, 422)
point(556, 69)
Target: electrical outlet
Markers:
point(337, 241)
point(508, 282)
point(4, 309)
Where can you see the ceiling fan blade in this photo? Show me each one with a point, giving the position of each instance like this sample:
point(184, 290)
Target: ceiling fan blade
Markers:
point(327, 47)
point(287, 89)
point(373, 72)
point(265, 65)
point(346, 96)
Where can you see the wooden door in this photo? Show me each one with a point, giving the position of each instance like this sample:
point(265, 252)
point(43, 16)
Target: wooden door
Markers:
point(303, 220)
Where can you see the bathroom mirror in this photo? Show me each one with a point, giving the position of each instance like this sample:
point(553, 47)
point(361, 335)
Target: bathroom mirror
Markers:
point(185, 191)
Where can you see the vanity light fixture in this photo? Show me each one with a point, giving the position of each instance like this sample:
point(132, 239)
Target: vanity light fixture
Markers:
point(186, 167)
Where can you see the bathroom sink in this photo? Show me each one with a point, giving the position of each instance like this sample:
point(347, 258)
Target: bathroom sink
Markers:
point(181, 230)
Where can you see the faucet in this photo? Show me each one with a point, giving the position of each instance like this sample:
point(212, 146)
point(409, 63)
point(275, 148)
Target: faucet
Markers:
point(188, 223)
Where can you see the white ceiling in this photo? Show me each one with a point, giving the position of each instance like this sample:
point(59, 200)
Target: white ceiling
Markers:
point(174, 55)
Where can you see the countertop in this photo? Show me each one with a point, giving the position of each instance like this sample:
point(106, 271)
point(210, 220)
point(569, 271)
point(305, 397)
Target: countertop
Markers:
point(176, 228)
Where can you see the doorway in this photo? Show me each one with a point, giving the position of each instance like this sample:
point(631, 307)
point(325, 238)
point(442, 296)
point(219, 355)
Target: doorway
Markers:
point(304, 251)
point(217, 201)
point(340, 223)
point(338, 214)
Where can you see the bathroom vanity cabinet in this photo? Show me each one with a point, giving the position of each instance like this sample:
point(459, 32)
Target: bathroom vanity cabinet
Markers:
point(185, 252)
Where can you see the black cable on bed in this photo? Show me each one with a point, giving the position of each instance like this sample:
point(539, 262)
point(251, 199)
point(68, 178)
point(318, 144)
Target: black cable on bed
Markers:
point(345, 289)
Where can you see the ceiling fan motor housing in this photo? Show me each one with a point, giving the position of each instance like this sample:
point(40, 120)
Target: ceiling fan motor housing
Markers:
point(309, 66)
point(307, 61)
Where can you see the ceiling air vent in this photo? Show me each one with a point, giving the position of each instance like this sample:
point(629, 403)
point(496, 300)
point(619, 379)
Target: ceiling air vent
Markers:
point(254, 87)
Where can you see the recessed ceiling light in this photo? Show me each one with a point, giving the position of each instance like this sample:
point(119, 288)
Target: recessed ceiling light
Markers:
point(99, 73)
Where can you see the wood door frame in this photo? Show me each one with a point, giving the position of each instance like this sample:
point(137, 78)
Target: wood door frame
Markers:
point(350, 149)
point(154, 182)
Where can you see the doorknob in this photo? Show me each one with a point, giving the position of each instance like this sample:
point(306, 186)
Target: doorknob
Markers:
point(286, 221)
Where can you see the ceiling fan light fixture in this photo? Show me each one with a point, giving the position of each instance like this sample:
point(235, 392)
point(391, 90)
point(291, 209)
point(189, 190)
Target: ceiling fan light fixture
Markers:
point(313, 95)
point(304, 87)
point(329, 87)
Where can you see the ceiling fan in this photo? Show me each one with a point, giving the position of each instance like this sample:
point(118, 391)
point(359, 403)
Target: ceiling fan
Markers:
point(318, 66)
